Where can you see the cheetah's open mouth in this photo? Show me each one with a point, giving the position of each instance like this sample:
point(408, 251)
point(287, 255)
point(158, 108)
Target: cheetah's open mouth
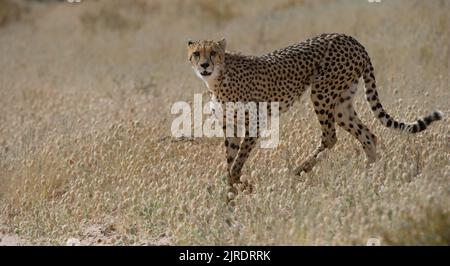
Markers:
point(205, 73)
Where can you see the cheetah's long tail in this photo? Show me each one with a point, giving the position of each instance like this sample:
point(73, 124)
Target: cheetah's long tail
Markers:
point(383, 116)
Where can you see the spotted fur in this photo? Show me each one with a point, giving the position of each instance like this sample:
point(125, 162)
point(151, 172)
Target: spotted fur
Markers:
point(331, 64)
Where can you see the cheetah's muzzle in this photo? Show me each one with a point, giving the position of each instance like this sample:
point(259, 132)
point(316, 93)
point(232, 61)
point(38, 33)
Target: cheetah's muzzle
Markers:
point(205, 73)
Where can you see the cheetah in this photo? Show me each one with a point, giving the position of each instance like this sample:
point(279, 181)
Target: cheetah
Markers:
point(330, 64)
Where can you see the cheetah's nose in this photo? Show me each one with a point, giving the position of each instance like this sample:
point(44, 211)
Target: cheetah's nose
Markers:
point(205, 65)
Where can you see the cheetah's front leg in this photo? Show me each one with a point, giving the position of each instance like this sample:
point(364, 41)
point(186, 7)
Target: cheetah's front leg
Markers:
point(232, 147)
point(247, 145)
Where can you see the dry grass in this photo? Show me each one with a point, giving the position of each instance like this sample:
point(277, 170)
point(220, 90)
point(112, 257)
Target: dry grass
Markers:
point(11, 11)
point(118, 16)
point(85, 125)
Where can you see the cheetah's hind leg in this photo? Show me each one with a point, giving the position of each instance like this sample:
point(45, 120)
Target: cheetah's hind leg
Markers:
point(324, 109)
point(348, 119)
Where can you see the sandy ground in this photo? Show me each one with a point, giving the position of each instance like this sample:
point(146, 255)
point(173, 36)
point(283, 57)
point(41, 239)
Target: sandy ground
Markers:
point(91, 235)
point(10, 240)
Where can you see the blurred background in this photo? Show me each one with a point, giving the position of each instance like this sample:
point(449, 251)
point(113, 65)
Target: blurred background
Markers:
point(85, 96)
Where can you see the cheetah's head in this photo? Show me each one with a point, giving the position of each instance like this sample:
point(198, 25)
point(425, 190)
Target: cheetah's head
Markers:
point(206, 57)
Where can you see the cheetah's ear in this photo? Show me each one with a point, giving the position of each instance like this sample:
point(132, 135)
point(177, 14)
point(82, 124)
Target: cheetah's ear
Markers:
point(190, 42)
point(223, 43)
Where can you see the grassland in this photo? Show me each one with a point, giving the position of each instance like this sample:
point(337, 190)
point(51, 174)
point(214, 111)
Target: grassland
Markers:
point(85, 145)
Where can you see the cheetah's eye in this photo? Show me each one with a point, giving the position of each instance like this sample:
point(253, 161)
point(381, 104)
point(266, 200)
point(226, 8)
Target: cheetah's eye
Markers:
point(213, 53)
point(196, 53)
